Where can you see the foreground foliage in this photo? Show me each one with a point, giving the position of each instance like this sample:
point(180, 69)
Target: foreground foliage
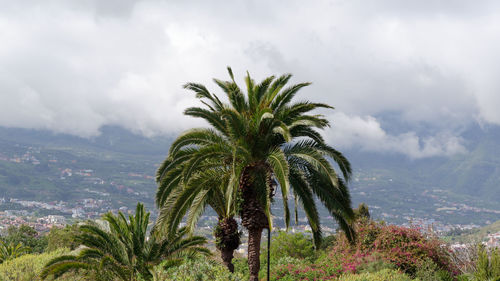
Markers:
point(379, 252)
point(199, 269)
point(123, 251)
point(292, 259)
point(28, 267)
point(383, 275)
point(488, 264)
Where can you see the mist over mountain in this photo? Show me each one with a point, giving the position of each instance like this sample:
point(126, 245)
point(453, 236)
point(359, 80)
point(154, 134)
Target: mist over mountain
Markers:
point(474, 172)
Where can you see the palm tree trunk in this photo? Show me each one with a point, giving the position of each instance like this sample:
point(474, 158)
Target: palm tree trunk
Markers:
point(228, 240)
point(227, 258)
point(254, 237)
point(253, 219)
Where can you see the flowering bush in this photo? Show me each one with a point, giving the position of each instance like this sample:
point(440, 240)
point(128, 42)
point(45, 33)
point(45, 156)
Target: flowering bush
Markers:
point(380, 252)
point(406, 248)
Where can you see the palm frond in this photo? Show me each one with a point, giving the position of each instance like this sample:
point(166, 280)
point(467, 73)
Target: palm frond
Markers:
point(275, 87)
point(211, 117)
point(303, 193)
point(261, 89)
point(198, 137)
point(286, 96)
point(202, 92)
point(279, 164)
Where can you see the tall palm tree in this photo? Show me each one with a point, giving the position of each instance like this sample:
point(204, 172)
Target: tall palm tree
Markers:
point(123, 251)
point(12, 251)
point(265, 138)
point(212, 182)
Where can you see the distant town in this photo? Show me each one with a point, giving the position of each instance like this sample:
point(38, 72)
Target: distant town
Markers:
point(102, 191)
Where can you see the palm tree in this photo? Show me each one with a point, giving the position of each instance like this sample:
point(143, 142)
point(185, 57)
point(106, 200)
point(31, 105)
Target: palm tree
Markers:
point(12, 251)
point(212, 182)
point(265, 138)
point(123, 251)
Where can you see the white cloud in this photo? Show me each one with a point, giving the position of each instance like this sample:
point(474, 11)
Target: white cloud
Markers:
point(73, 66)
point(366, 133)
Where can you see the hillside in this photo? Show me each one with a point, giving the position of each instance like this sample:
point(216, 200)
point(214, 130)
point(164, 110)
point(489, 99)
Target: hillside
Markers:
point(42, 166)
point(118, 167)
point(473, 235)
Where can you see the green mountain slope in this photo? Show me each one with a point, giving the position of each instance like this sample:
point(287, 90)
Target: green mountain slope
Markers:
point(463, 189)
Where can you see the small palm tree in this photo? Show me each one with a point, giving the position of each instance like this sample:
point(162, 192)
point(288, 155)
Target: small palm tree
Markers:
point(12, 251)
point(122, 250)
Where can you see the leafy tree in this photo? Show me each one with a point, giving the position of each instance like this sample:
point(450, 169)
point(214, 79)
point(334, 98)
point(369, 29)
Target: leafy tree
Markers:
point(327, 242)
point(123, 251)
point(27, 236)
point(62, 237)
point(295, 245)
point(12, 251)
point(362, 212)
point(266, 139)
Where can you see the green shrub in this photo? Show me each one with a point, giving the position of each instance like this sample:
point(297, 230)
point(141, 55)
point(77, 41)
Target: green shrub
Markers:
point(63, 238)
point(28, 267)
point(285, 244)
point(327, 242)
point(464, 277)
point(27, 236)
point(383, 275)
point(487, 264)
point(197, 270)
point(374, 266)
point(295, 269)
point(241, 266)
point(293, 248)
point(429, 271)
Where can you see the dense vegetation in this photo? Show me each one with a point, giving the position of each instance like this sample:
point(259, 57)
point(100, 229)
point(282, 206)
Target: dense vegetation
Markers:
point(410, 255)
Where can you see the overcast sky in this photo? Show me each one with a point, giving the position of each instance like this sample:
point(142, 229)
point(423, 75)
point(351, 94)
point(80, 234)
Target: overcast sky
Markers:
point(404, 76)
